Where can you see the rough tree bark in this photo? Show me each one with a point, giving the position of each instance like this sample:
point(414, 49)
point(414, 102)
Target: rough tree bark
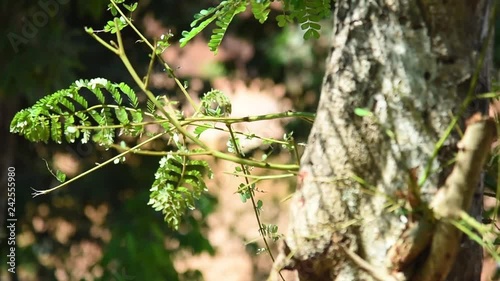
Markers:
point(410, 63)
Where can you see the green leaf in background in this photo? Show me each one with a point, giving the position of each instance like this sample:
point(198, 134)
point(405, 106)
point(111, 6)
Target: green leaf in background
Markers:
point(179, 182)
point(61, 177)
point(363, 112)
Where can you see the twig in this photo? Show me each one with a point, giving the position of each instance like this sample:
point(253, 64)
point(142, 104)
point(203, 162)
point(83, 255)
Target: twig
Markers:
point(455, 196)
point(370, 269)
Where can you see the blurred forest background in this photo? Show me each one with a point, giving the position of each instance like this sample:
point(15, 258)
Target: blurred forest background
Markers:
point(100, 228)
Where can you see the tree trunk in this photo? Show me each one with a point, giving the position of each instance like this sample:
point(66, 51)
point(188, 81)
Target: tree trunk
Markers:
point(409, 64)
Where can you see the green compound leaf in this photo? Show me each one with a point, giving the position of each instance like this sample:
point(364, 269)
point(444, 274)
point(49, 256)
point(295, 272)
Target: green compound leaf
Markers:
point(223, 20)
point(63, 112)
point(308, 13)
point(202, 20)
point(260, 9)
point(222, 15)
point(179, 182)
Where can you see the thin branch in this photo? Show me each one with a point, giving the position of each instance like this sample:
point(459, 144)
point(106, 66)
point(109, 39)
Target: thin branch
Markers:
point(150, 67)
point(167, 67)
point(232, 120)
point(376, 273)
point(100, 40)
point(456, 195)
point(469, 98)
point(159, 153)
point(41, 192)
point(251, 192)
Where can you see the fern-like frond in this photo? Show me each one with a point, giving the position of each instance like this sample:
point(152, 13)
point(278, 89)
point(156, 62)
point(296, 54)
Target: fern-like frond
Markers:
point(223, 20)
point(308, 13)
point(64, 112)
point(202, 20)
point(260, 9)
point(179, 182)
point(223, 14)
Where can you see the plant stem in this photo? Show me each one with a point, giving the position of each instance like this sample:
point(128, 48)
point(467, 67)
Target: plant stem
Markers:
point(181, 129)
point(167, 67)
point(232, 120)
point(41, 192)
point(251, 192)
